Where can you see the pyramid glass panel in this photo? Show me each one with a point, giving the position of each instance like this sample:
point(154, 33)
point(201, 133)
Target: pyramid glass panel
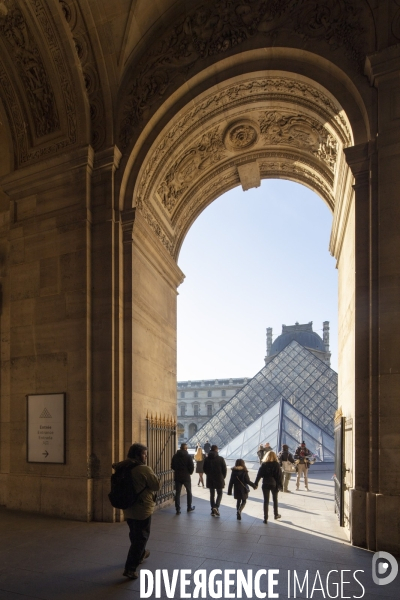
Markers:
point(277, 428)
point(278, 380)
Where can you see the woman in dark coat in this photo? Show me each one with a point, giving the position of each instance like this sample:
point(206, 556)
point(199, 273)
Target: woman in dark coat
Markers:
point(271, 474)
point(240, 482)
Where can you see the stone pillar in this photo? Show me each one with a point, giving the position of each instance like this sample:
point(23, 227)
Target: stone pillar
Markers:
point(128, 220)
point(383, 69)
point(107, 332)
point(358, 160)
point(155, 278)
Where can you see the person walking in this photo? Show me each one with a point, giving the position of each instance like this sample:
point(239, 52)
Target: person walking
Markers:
point(207, 447)
point(285, 457)
point(215, 469)
point(302, 463)
point(271, 474)
point(138, 516)
point(199, 458)
point(240, 482)
point(183, 467)
point(260, 453)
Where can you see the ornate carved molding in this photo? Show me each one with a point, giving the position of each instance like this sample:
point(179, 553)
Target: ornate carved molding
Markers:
point(301, 131)
point(21, 45)
point(290, 128)
point(15, 116)
point(188, 167)
point(30, 66)
point(160, 232)
point(222, 27)
point(86, 55)
point(294, 129)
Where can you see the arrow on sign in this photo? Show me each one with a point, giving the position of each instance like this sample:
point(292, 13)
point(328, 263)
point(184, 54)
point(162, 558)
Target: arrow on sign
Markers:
point(45, 454)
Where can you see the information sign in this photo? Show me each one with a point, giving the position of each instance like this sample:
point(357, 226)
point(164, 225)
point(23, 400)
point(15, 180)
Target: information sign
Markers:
point(46, 428)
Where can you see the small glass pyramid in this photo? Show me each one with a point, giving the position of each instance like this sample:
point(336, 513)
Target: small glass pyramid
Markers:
point(281, 424)
point(295, 375)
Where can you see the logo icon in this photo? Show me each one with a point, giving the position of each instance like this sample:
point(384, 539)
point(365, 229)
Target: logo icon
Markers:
point(384, 568)
point(45, 414)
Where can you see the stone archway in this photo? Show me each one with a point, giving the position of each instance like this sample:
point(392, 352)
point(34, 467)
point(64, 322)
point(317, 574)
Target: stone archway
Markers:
point(88, 261)
point(261, 124)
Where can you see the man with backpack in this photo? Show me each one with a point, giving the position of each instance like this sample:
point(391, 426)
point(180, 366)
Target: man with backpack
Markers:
point(183, 466)
point(135, 473)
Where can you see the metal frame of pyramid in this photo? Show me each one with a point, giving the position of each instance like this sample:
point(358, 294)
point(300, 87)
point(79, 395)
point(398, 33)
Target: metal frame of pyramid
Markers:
point(294, 375)
point(281, 424)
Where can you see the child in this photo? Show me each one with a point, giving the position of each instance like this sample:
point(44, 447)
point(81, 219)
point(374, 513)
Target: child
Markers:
point(240, 482)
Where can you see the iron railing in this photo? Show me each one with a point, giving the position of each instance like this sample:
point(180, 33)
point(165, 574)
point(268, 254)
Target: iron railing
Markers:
point(161, 444)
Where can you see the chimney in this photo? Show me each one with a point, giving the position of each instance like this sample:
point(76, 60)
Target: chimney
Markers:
point(269, 340)
point(326, 342)
point(326, 335)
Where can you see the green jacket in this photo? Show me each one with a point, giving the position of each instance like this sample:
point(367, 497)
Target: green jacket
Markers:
point(143, 477)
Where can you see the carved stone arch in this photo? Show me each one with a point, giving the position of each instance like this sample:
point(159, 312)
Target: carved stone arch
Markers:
point(356, 99)
point(189, 42)
point(259, 125)
point(40, 89)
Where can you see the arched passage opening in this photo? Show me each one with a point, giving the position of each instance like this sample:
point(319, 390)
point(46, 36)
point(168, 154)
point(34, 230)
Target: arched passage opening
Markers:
point(238, 131)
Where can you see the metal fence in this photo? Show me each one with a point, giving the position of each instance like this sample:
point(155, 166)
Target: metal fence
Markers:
point(161, 444)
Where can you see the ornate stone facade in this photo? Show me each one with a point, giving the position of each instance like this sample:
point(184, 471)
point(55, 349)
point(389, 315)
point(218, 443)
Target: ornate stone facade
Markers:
point(198, 401)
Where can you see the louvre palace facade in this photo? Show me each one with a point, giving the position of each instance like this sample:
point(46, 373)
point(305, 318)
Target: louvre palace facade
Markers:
point(119, 123)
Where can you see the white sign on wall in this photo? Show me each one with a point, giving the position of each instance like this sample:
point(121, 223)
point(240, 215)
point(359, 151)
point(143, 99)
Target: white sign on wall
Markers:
point(46, 428)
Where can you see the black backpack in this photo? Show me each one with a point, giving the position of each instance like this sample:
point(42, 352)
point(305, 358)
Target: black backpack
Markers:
point(122, 493)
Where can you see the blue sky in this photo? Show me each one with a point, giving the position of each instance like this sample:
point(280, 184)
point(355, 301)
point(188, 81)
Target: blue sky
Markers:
point(253, 260)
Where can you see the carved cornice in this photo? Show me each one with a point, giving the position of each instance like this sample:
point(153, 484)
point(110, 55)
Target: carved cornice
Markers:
point(223, 27)
point(383, 63)
point(127, 220)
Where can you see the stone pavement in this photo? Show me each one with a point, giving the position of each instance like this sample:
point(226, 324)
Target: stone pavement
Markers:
point(52, 559)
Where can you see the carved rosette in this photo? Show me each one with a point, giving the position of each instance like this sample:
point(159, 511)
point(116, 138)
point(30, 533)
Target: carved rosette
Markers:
point(241, 135)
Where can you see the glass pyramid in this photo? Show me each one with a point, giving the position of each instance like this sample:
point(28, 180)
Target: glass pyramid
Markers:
point(281, 424)
point(295, 375)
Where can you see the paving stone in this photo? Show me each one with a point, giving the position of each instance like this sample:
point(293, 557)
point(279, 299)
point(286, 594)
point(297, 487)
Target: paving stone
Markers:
point(52, 559)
